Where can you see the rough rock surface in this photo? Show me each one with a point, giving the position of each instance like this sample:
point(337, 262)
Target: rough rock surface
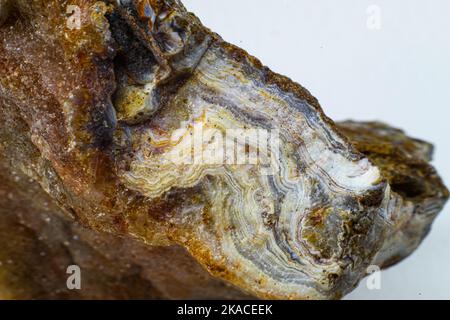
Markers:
point(97, 100)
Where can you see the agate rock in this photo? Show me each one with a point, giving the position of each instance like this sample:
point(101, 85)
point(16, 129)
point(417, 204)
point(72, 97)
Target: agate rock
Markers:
point(100, 105)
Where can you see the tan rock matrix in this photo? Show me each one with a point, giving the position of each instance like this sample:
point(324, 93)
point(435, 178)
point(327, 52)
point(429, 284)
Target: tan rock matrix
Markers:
point(164, 162)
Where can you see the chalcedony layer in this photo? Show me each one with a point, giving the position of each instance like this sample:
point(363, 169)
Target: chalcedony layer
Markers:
point(154, 142)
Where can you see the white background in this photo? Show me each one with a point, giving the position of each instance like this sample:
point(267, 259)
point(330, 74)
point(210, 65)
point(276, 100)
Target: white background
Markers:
point(399, 74)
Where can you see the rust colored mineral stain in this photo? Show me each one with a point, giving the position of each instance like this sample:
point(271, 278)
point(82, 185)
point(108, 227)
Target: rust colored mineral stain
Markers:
point(146, 12)
point(83, 185)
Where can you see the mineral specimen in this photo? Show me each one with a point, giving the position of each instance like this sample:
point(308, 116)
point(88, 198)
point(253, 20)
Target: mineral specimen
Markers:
point(167, 163)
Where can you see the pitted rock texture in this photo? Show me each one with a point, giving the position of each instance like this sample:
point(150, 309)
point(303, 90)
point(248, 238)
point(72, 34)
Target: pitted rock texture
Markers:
point(98, 105)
